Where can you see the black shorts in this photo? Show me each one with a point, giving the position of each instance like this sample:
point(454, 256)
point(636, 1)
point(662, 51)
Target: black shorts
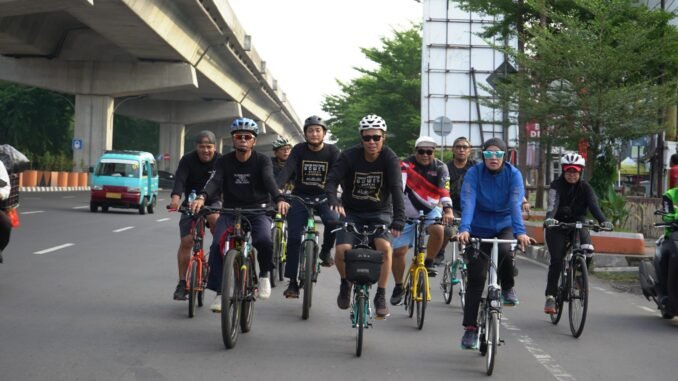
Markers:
point(370, 219)
point(186, 222)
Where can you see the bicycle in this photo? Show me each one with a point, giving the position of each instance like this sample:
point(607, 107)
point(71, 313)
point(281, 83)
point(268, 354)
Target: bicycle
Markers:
point(417, 289)
point(279, 238)
point(363, 267)
point(489, 316)
point(455, 272)
point(198, 269)
point(573, 283)
point(309, 266)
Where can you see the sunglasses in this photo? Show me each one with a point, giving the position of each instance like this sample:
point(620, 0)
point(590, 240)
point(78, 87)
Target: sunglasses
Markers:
point(462, 147)
point(243, 137)
point(490, 154)
point(367, 138)
point(425, 152)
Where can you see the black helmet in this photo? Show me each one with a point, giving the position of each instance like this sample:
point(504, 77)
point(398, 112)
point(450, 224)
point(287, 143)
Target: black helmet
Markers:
point(314, 120)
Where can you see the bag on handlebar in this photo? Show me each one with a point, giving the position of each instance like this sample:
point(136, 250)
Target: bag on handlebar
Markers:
point(363, 266)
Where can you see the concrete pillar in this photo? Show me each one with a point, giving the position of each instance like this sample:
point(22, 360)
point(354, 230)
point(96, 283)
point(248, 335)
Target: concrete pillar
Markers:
point(94, 127)
point(172, 143)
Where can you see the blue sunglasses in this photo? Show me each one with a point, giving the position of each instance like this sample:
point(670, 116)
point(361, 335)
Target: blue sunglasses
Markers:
point(490, 154)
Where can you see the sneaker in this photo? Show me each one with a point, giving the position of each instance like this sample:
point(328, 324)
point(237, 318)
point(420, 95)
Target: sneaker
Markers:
point(470, 338)
point(180, 293)
point(398, 293)
point(344, 297)
point(264, 288)
point(326, 259)
point(292, 291)
point(380, 305)
point(550, 305)
point(430, 268)
point(509, 297)
point(216, 304)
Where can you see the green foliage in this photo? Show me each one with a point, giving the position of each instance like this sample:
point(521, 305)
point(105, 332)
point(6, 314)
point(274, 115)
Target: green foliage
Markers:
point(614, 207)
point(392, 90)
point(606, 172)
point(136, 134)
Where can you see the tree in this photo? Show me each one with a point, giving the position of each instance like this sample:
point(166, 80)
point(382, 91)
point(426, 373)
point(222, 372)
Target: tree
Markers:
point(392, 91)
point(135, 134)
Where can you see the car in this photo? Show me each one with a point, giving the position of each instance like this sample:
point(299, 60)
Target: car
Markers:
point(166, 179)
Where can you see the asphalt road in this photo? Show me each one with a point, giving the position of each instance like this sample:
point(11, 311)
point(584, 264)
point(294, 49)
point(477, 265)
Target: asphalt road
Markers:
point(87, 296)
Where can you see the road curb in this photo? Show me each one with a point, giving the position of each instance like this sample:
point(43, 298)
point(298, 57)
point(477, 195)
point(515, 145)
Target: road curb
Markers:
point(53, 189)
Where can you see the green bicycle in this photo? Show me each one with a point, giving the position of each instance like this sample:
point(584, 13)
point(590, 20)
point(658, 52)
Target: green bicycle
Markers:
point(279, 238)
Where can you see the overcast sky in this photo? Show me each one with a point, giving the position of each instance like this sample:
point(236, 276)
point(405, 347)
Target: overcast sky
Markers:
point(308, 44)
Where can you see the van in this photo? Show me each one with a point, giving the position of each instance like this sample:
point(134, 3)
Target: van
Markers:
point(124, 179)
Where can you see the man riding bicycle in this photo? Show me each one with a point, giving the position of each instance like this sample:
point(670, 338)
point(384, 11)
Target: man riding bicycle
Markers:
point(194, 169)
point(569, 199)
point(281, 151)
point(245, 179)
point(491, 199)
point(370, 178)
point(426, 189)
point(309, 163)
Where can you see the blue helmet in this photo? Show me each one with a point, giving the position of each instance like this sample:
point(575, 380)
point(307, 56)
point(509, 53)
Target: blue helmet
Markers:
point(244, 124)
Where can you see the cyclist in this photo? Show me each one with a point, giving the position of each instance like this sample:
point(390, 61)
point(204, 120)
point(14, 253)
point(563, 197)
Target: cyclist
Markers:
point(491, 207)
point(667, 271)
point(309, 162)
point(569, 199)
point(369, 175)
point(281, 151)
point(192, 173)
point(245, 179)
point(5, 223)
point(426, 189)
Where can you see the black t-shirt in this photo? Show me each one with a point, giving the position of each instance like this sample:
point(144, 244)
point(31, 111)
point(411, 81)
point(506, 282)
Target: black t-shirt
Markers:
point(309, 169)
point(193, 174)
point(456, 180)
point(243, 185)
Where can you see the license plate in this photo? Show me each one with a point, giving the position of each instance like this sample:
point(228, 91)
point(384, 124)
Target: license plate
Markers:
point(113, 195)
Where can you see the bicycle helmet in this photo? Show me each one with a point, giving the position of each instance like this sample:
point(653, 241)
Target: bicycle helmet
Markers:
point(245, 124)
point(572, 160)
point(372, 121)
point(314, 120)
point(280, 142)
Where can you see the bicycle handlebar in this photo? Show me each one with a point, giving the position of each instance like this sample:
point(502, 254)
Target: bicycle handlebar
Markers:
point(579, 225)
point(365, 231)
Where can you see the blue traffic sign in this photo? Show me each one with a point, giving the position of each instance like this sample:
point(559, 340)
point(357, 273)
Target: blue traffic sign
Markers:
point(76, 144)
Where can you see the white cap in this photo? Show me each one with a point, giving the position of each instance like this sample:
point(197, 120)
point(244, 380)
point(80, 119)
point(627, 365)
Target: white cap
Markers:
point(425, 141)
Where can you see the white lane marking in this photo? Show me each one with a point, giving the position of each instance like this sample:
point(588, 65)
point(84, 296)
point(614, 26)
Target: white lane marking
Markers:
point(648, 309)
point(520, 256)
point(69, 196)
point(55, 248)
point(123, 229)
point(33, 212)
point(545, 359)
point(162, 219)
point(81, 207)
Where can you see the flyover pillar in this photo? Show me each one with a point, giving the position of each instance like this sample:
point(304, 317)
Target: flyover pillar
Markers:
point(93, 128)
point(172, 144)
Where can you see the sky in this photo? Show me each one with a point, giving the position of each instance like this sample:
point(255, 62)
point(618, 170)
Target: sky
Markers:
point(309, 44)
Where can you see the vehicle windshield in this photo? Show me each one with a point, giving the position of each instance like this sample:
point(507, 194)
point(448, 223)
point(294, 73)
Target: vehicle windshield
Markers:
point(118, 169)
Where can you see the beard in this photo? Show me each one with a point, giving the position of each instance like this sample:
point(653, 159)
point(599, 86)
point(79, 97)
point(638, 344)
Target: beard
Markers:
point(315, 144)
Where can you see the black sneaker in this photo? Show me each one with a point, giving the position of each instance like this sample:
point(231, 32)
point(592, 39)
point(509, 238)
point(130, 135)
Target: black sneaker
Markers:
point(326, 259)
point(344, 297)
point(180, 293)
point(380, 305)
point(292, 291)
point(430, 268)
point(397, 296)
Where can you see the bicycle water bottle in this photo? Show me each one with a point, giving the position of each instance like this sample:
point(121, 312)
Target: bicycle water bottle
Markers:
point(192, 196)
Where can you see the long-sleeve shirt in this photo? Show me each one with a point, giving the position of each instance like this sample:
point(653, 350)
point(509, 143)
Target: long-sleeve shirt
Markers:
point(308, 168)
point(248, 184)
point(491, 202)
point(191, 174)
point(425, 186)
point(368, 186)
point(570, 202)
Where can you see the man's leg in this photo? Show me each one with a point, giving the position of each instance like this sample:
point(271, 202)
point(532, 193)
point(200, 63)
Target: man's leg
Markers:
point(261, 240)
point(384, 246)
point(327, 216)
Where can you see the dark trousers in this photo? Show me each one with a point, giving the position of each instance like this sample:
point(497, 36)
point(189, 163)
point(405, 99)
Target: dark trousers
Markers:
point(296, 222)
point(477, 275)
point(261, 240)
point(5, 230)
point(557, 240)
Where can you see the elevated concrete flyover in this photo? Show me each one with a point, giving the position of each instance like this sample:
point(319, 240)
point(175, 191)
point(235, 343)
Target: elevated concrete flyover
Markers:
point(178, 63)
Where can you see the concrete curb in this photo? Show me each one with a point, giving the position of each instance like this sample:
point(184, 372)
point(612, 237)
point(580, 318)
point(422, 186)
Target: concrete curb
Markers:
point(52, 189)
point(601, 261)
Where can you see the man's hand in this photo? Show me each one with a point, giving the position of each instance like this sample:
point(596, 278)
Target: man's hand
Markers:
point(174, 203)
point(197, 205)
point(283, 207)
point(526, 207)
point(524, 241)
point(463, 237)
point(395, 233)
point(339, 209)
point(549, 222)
point(448, 216)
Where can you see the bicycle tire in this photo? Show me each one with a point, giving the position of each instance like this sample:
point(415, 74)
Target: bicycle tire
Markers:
point(446, 283)
point(561, 292)
point(247, 314)
point(360, 324)
point(230, 299)
point(579, 296)
point(409, 297)
point(203, 285)
point(309, 268)
point(422, 287)
point(463, 279)
point(277, 247)
point(192, 289)
point(482, 328)
point(492, 341)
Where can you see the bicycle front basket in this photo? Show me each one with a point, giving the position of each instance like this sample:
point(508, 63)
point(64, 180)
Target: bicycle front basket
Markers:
point(363, 266)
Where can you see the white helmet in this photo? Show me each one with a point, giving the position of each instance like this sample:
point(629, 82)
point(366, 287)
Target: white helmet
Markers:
point(372, 121)
point(572, 159)
point(425, 141)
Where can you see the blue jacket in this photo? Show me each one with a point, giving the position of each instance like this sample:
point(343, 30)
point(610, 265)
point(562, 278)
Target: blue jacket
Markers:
point(492, 202)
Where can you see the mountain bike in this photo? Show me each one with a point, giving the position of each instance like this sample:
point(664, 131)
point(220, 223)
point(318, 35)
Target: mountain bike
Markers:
point(279, 238)
point(363, 267)
point(455, 272)
point(573, 283)
point(417, 289)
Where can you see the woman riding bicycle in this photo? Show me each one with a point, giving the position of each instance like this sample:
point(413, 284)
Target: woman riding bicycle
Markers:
point(569, 199)
point(491, 199)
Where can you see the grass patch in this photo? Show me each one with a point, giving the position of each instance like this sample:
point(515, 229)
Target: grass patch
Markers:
point(617, 276)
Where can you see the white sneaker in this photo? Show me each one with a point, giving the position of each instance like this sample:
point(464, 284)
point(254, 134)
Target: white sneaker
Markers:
point(264, 288)
point(216, 304)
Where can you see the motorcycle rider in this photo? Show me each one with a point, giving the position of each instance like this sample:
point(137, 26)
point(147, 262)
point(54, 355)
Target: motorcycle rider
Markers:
point(667, 259)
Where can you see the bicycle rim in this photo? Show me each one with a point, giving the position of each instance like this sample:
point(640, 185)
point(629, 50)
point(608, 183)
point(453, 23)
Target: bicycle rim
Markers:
point(230, 299)
point(462, 287)
point(247, 314)
point(422, 286)
point(409, 297)
point(309, 250)
point(277, 254)
point(360, 302)
point(482, 328)
point(492, 341)
point(446, 284)
point(203, 283)
point(192, 289)
point(579, 297)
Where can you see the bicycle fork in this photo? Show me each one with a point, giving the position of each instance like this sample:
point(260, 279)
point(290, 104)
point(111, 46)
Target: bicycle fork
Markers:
point(360, 295)
point(415, 273)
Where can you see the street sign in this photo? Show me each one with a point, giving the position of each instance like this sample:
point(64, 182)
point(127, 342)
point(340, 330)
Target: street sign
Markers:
point(442, 126)
point(500, 74)
point(76, 144)
point(166, 156)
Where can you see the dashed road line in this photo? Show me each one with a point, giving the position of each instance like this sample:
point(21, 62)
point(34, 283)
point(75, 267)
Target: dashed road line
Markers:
point(32, 212)
point(123, 229)
point(81, 207)
point(162, 219)
point(648, 309)
point(55, 248)
point(545, 359)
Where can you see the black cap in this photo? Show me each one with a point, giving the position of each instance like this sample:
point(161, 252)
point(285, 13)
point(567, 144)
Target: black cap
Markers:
point(206, 134)
point(495, 142)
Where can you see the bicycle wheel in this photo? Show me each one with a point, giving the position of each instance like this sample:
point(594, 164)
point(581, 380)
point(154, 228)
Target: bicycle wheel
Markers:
point(422, 287)
point(482, 327)
point(247, 314)
point(446, 283)
point(492, 341)
point(277, 247)
point(579, 296)
point(193, 289)
point(409, 297)
point(360, 324)
point(230, 298)
point(463, 278)
point(563, 289)
point(309, 268)
point(203, 284)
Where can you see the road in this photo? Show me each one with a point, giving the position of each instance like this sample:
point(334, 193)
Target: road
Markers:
point(87, 296)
